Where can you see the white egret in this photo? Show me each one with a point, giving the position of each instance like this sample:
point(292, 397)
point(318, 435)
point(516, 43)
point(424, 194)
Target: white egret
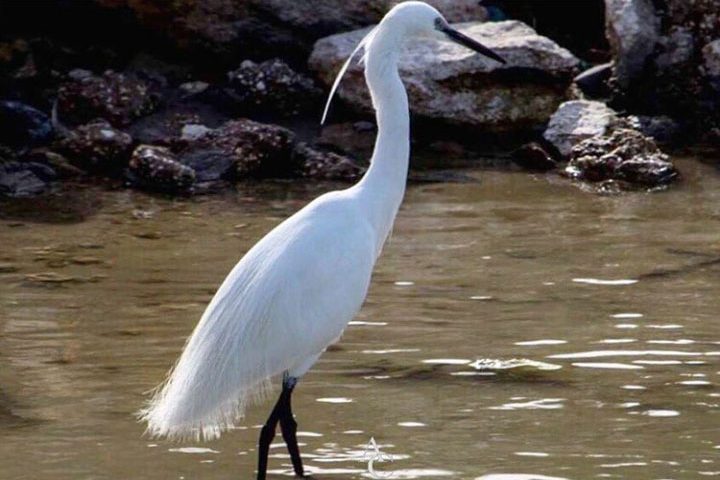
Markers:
point(294, 292)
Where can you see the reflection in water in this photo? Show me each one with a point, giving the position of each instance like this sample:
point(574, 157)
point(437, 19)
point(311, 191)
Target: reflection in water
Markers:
point(517, 325)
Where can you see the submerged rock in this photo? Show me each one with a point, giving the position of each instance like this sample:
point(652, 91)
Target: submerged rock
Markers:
point(271, 86)
point(624, 155)
point(448, 82)
point(116, 97)
point(24, 179)
point(577, 120)
point(97, 147)
point(23, 125)
point(157, 168)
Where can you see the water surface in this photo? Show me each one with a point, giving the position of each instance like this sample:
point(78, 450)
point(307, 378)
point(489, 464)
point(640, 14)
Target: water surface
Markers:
point(609, 303)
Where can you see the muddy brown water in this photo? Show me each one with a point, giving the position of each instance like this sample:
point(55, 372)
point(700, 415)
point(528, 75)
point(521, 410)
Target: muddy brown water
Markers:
point(610, 303)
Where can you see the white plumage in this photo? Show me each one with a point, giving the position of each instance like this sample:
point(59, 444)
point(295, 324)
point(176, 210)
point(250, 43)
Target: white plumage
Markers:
point(288, 298)
point(294, 292)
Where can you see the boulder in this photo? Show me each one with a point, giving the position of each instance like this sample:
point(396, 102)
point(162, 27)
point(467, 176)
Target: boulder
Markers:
point(157, 169)
point(576, 121)
point(271, 86)
point(97, 147)
point(116, 97)
point(632, 28)
point(224, 30)
point(625, 156)
point(23, 125)
point(450, 83)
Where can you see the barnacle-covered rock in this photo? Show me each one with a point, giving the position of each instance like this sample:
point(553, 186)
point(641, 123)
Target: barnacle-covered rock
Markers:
point(113, 96)
point(157, 168)
point(97, 147)
point(624, 155)
point(324, 165)
point(257, 150)
point(271, 85)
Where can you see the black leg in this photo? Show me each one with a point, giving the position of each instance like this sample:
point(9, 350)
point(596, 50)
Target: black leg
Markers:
point(288, 425)
point(282, 413)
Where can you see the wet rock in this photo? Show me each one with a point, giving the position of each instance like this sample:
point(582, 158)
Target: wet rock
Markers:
point(578, 120)
point(157, 168)
point(632, 28)
point(97, 147)
point(533, 156)
point(24, 179)
point(23, 126)
point(624, 155)
point(116, 97)
point(593, 82)
point(447, 82)
point(271, 86)
point(323, 165)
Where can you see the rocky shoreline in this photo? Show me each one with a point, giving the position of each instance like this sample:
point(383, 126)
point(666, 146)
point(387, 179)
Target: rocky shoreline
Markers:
point(200, 98)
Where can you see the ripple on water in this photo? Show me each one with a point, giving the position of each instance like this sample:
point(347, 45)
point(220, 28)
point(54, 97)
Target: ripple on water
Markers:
point(541, 404)
point(334, 400)
point(543, 341)
point(598, 281)
point(192, 450)
point(517, 476)
point(607, 365)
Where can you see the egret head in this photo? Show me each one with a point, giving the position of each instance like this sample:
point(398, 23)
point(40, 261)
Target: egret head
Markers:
point(409, 20)
point(418, 19)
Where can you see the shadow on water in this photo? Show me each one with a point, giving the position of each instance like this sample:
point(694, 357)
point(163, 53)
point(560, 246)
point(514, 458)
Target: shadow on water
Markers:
point(62, 207)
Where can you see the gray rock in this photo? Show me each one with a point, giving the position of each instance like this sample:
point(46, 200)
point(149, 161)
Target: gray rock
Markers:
point(24, 179)
point(448, 82)
point(632, 28)
point(577, 120)
point(711, 58)
point(675, 48)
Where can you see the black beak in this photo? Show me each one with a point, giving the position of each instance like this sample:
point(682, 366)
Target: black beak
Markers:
point(468, 42)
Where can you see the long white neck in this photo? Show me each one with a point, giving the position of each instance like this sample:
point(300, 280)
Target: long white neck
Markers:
point(383, 185)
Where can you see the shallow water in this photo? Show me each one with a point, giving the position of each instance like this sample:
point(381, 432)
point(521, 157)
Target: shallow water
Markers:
point(613, 300)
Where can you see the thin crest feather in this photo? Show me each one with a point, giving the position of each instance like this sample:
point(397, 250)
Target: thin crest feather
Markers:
point(363, 44)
